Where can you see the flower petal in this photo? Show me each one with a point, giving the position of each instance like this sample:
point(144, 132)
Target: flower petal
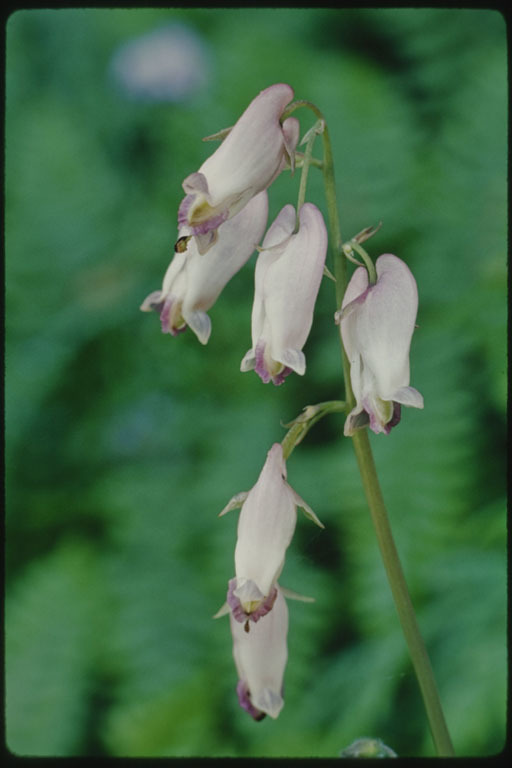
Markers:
point(200, 323)
point(152, 301)
point(294, 359)
point(248, 361)
point(356, 419)
point(408, 396)
point(247, 601)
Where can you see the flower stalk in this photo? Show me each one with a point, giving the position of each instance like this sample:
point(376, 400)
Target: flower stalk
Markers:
point(417, 650)
point(300, 426)
point(309, 140)
point(353, 245)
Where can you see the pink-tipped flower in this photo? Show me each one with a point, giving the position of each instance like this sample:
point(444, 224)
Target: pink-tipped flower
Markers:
point(194, 281)
point(288, 274)
point(260, 659)
point(265, 529)
point(254, 152)
point(377, 323)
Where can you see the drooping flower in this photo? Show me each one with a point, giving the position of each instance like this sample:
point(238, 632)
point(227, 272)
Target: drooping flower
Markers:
point(193, 281)
point(377, 323)
point(253, 153)
point(260, 659)
point(265, 529)
point(288, 274)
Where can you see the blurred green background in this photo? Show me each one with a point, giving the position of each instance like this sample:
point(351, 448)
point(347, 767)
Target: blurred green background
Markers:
point(123, 444)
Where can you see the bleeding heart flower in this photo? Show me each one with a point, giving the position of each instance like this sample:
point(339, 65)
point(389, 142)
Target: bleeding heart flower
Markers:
point(288, 274)
point(265, 529)
point(260, 659)
point(252, 155)
point(377, 322)
point(194, 280)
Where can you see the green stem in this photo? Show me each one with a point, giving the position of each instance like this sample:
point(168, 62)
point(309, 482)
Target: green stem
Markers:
point(299, 161)
point(292, 438)
point(304, 175)
point(405, 609)
point(370, 481)
point(370, 266)
point(303, 423)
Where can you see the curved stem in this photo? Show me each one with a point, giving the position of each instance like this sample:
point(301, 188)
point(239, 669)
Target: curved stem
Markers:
point(304, 174)
point(300, 426)
point(370, 481)
point(370, 266)
point(292, 438)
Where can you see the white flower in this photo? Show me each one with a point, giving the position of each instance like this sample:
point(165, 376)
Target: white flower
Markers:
point(193, 281)
point(288, 274)
point(254, 152)
point(260, 659)
point(265, 529)
point(377, 323)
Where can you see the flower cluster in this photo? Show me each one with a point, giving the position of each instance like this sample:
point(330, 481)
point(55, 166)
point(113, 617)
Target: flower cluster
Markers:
point(221, 220)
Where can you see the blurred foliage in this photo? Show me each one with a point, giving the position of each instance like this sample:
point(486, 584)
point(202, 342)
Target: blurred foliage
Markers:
point(123, 444)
